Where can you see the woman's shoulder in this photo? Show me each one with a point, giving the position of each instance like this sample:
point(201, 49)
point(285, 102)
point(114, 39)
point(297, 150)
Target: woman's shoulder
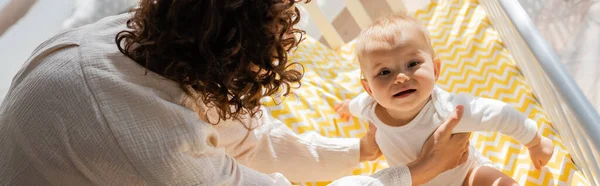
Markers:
point(79, 47)
point(85, 64)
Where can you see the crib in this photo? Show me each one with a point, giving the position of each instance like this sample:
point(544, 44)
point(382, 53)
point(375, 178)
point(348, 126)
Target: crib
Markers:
point(488, 48)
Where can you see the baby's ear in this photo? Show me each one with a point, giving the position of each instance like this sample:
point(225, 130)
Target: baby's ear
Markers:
point(436, 67)
point(365, 86)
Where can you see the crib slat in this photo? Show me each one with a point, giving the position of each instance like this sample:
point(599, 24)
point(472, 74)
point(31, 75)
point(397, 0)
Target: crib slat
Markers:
point(397, 5)
point(327, 30)
point(572, 115)
point(359, 13)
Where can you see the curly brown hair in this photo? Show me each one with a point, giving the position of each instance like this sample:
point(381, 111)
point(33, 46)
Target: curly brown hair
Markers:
point(231, 53)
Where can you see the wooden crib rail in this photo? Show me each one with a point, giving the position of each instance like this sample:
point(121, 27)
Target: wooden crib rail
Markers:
point(356, 9)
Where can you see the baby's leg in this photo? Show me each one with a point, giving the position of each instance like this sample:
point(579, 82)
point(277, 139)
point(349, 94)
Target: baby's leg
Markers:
point(485, 175)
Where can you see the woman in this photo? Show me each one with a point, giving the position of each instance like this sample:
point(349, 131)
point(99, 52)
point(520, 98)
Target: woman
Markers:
point(170, 96)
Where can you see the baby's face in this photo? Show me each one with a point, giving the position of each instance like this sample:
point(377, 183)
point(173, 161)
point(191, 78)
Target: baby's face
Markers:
point(401, 77)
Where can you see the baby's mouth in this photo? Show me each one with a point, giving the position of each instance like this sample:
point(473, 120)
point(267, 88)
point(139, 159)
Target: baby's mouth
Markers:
point(405, 93)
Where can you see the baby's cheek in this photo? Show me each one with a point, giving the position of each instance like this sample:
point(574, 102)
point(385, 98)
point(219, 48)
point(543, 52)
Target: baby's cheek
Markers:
point(425, 75)
point(379, 91)
point(382, 97)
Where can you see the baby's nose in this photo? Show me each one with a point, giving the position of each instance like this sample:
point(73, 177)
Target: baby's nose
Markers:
point(402, 78)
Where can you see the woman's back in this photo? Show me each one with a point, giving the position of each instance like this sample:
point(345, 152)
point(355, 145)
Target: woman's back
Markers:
point(70, 117)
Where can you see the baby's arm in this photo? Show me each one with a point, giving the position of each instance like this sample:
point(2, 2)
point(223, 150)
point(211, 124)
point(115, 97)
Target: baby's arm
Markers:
point(354, 107)
point(496, 116)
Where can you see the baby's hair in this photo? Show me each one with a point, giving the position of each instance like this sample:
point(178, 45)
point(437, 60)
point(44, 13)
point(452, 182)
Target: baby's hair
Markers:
point(386, 31)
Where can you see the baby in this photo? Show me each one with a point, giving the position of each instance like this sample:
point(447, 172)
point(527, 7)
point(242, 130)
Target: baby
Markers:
point(399, 69)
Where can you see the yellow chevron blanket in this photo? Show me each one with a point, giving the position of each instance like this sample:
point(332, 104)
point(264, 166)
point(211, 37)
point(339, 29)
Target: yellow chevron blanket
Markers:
point(474, 60)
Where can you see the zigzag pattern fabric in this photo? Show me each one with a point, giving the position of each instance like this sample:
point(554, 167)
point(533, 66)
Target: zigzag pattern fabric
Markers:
point(474, 60)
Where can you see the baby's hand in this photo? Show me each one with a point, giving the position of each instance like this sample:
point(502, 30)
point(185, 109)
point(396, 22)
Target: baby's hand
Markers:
point(344, 110)
point(541, 153)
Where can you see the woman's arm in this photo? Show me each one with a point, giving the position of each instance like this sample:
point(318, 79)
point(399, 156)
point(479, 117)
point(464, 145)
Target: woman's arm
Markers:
point(274, 147)
point(312, 157)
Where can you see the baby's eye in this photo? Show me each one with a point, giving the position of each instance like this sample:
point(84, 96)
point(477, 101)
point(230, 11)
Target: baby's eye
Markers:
point(413, 64)
point(384, 72)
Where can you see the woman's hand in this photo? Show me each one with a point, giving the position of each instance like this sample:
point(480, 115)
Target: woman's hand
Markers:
point(369, 150)
point(442, 151)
